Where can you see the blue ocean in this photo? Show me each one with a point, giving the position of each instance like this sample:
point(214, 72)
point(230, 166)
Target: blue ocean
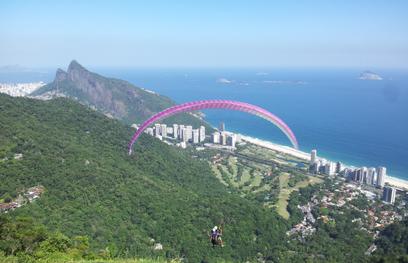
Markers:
point(357, 122)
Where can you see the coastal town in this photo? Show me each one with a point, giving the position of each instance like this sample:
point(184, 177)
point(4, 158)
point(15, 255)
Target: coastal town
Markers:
point(370, 177)
point(183, 135)
point(20, 89)
point(328, 204)
point(274, 173)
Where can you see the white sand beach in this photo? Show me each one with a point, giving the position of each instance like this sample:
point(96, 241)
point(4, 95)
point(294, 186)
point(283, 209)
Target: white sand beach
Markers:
point(277, 147)
point(399, 183)
point(393, 181)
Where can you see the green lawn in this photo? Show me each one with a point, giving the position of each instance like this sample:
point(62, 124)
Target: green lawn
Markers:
point(234, 181)
point(245, 176)
point(257, 180)
point(232, 161)
point(285, 191)
point(218, 174)
point(248, 183)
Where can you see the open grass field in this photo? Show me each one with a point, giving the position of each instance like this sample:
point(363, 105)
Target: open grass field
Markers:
point(285, 191)
point(249, 179)
point(247, 175)
point(217, 174)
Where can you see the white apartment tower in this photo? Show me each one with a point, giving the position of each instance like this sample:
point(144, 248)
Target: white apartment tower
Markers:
point(238, 138)
point(175, 131)
point(313, 156)
point(223, 138)
point(196, 136)
point(180, 134)
point(381, 173)
point(189, 129)
point(163, 130)
point(389, 194)
point(371, 176)
point(215, 137)
point(364, 172)
point(157, 131)
point(202, 133)
point(232, 140)
point(184, 135)
point(330, 168)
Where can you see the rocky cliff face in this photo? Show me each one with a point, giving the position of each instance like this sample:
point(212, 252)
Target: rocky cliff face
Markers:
point(113, 97)
point(61, 75)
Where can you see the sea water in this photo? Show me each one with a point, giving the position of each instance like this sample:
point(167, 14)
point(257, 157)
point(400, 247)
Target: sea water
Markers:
point(358, 122)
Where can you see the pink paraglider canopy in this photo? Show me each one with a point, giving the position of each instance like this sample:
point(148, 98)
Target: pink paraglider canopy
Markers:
point(216, 104)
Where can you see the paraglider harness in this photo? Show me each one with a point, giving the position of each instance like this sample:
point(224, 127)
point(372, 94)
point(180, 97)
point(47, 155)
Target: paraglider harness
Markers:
point(216, 234)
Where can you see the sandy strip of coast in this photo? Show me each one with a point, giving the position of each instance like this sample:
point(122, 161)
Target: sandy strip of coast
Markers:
point(399, 183)
point(277, 147)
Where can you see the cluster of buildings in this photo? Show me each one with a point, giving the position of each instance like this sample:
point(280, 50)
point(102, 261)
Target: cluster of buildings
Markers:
point(187, 134)
point(322, 166)
point(225, 138)
point(30, 195)
point(34, 192)
point(5, 207)
point(375, 216)
point(184, 133)
point(366, 176)
point(306, 226)
point(369, 176)
point(20, 89)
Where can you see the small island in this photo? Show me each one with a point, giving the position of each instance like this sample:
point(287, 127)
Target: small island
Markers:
point(369, 75)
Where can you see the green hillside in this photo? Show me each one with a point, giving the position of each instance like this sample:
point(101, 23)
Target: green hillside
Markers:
point(93, 188)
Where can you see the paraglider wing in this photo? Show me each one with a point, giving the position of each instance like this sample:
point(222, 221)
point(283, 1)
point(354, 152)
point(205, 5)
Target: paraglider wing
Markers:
point(216, 104)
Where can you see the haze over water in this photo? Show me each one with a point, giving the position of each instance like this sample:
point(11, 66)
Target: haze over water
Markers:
point(358, 122)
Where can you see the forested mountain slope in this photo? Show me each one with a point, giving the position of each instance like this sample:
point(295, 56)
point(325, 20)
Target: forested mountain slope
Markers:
point(93, 188)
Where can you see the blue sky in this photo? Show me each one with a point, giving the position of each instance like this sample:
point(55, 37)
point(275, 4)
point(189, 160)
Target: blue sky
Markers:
point(368, 34)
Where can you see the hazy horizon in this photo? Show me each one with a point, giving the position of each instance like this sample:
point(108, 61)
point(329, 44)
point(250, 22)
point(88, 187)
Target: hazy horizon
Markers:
point(95, 68)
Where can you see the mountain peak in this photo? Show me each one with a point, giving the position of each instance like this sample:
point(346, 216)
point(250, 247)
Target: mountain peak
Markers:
point(74, 65)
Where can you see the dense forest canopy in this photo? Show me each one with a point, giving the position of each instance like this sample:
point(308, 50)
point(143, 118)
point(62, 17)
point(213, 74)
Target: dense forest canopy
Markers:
point(93, 188)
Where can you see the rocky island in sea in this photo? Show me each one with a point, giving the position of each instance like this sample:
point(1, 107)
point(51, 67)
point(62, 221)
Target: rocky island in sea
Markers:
point(369, 75)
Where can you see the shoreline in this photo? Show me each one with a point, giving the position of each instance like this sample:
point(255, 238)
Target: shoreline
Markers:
point(393, 181)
